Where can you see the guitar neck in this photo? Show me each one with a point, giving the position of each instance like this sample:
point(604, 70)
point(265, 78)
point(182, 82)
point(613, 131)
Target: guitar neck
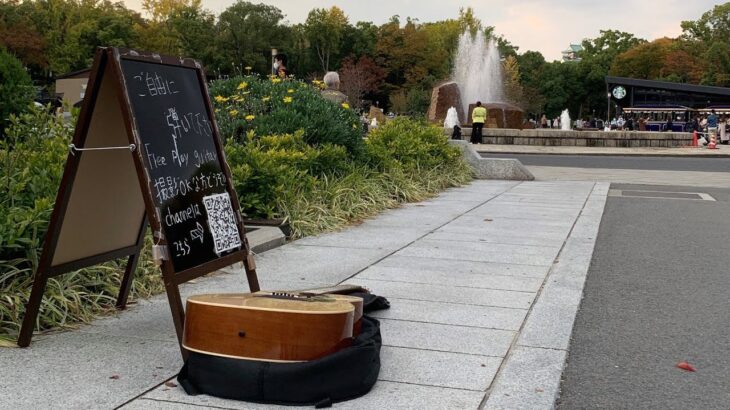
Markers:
point(336, 290)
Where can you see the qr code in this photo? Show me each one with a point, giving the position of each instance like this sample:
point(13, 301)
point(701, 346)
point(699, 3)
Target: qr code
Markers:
point(222, 222)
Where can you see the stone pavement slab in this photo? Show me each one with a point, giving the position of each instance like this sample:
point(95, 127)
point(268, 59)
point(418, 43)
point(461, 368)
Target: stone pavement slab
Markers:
point(440, 369)
point(450, 294)
point(384, 395)
point(447, 338)
point(467, 280)
point(458, 267)
point(472, 306)
point(530, 380)
point(458, 314)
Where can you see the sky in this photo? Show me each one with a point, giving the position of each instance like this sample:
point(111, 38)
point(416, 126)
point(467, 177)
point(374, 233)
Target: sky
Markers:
point(547, 26)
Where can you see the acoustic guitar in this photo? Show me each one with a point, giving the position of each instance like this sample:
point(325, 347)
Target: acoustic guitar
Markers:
point(270, 326)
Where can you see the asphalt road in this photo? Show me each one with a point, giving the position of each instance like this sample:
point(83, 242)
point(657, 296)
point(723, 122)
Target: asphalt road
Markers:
point(621, 162)
point(657, 293)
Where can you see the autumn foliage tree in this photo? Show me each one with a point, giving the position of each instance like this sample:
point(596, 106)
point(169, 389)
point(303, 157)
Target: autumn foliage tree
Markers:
point(359, 77)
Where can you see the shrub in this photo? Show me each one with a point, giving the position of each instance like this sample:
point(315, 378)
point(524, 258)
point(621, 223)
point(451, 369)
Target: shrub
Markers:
point(16, 88)
point(271, 106)
point(262, 168)
point(410, 145)
point(32, 158)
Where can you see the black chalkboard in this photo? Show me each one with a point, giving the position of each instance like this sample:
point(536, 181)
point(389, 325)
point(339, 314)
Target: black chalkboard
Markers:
point(177, 143)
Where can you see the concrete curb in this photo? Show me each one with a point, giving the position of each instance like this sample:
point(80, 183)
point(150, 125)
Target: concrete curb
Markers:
point(530, 377)
point(607, 154)
point(264, 238)
point(603, 151)
point(493, 168)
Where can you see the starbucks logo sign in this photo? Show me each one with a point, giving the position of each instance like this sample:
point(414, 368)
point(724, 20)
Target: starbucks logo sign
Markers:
point(619, 92)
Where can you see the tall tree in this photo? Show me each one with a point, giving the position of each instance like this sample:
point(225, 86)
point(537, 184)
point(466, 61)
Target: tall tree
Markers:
point(325, 30)
point(359, 77)
point(359, 40)
point(512, 87)
point(248, 32)
point(532, 74)
point(708, 38)
point(196, 33)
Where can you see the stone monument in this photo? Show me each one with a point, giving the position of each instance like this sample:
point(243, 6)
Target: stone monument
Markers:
point(443, 97)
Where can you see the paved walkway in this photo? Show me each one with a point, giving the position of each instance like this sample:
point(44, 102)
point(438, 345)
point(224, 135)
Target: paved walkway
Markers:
point(722, 151)
point(484, 283)
point(632, 176)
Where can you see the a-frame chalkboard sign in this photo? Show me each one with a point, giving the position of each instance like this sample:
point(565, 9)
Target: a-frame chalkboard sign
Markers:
point(146, 150)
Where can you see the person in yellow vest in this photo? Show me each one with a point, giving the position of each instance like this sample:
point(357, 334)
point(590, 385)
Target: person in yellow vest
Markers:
point(478, 118)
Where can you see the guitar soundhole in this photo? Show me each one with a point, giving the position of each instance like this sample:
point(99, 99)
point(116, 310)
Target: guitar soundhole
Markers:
point(241, 334)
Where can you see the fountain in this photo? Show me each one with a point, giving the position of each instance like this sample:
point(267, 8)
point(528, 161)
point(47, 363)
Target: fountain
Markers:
point(452, 118)
point(565, 120)
point(478, 70)
point(477, 76)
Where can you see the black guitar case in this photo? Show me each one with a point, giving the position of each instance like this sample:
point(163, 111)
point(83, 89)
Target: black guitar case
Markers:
point(344, 375)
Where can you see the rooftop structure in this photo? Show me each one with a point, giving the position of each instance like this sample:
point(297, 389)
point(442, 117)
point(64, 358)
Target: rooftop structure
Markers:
point(571, 54)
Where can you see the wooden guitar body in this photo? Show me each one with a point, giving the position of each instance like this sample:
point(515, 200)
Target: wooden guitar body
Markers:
point(267, 327)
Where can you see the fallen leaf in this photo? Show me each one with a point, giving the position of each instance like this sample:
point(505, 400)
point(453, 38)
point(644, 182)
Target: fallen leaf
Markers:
point(114, 377)
point(686, 366)
point(484, 365)
point(539, 390)
point(488, 220)
point(170, 384)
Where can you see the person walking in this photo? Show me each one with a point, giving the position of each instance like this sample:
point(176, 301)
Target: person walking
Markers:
point(724, 138)
point(478, 118)
point(712, 123)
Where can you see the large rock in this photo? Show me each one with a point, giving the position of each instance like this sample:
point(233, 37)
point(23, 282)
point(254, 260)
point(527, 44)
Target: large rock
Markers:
point(501, 115)
point(443, 97)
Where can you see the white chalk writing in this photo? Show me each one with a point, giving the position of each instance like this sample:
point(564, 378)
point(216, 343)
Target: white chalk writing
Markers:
point(168, 187)
point(191, 212)
point(154, 84)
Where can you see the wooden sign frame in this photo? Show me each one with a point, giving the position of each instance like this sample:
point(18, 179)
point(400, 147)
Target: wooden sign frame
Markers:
point(70, 199)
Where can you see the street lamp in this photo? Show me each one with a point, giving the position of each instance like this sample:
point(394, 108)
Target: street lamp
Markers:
point(608, 107)
point(274, 52)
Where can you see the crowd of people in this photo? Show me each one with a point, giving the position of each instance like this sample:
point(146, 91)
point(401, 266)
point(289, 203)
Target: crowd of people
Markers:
point(710, 124)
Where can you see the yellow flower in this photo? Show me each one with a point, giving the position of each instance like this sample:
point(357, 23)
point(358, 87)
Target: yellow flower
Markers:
point(345, 105)
point(276, 80)
point(233, 113)
point(250, 117)
point(291, 90)
point(220, 98)
point(287, 100)
point(242, 85)
point(267, 98)
point(237, 98)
